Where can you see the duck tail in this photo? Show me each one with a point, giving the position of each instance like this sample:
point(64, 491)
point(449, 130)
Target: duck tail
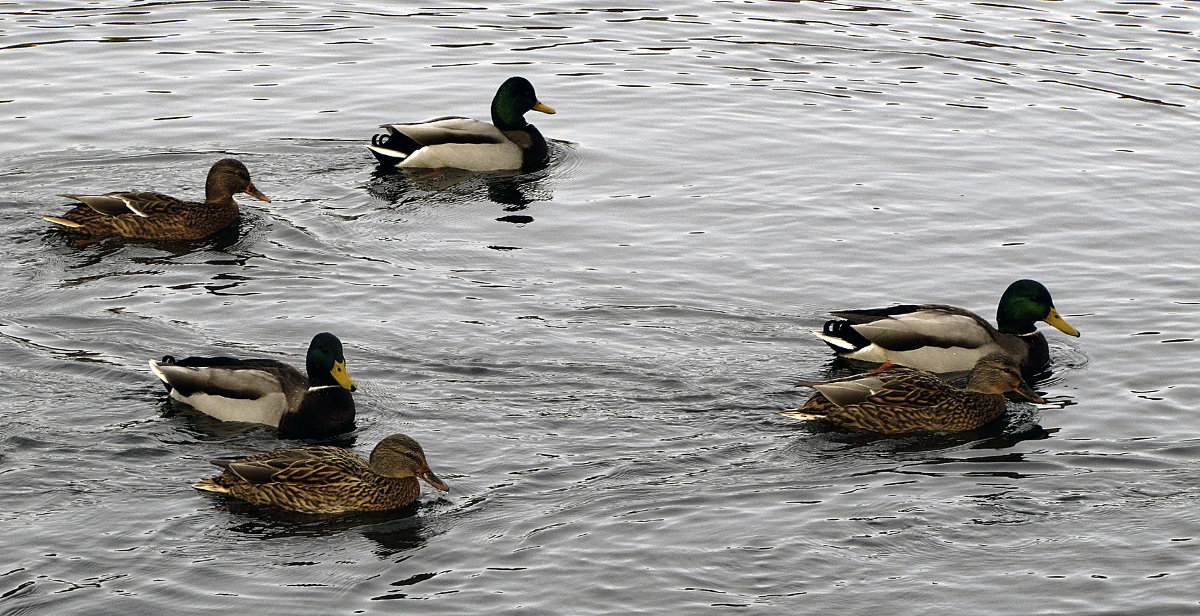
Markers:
point(388, 152)
point(841, 336)
point(62, 221)
point(208, 485)
point(159, 373)
point(801, 415)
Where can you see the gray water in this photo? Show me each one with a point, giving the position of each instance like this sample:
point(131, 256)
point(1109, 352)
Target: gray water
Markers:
point(594, 356)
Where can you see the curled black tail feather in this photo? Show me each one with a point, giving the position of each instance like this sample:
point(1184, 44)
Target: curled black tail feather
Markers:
point(381, 141)
point(395, 141)
point(844, 330)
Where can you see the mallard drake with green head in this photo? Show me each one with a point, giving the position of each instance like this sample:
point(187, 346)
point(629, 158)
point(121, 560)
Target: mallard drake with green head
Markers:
point(267, 391)
point(325, 479)
point(155, 216)
point(900, 400)
point(509, 142)
point(943, 339)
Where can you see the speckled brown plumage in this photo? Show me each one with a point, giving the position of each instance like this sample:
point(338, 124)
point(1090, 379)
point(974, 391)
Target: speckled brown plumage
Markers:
point(899, 400)
point(325, 479)
point(151, 215)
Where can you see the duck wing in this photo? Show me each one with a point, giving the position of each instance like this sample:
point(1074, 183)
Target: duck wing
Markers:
point(459, 143)
point(894, 381)
point(910, 327)
point(139, 203)
point(319, 465)
point(228, 377)
point(842, 393)
point(447, 130)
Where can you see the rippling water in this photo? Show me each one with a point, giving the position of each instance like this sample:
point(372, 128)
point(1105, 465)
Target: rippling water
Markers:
point(593, 355)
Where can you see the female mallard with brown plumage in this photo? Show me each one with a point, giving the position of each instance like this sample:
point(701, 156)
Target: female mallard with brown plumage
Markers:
point(900, 400)
point(155, 216)
point(325, 479)
point(943, 339)
point(268, 391)
point(508, 143)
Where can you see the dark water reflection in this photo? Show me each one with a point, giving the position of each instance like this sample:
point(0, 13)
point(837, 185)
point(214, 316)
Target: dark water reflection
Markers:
point(514, 191)
point(222, 241)
point(394, 530)
point(1018, 425)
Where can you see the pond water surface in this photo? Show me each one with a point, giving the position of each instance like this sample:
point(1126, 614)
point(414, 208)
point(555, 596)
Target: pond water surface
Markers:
point(594, 355)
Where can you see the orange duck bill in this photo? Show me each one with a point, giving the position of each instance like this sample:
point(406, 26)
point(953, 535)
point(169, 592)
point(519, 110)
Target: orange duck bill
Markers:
point(430, 478)
point(254, 192)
